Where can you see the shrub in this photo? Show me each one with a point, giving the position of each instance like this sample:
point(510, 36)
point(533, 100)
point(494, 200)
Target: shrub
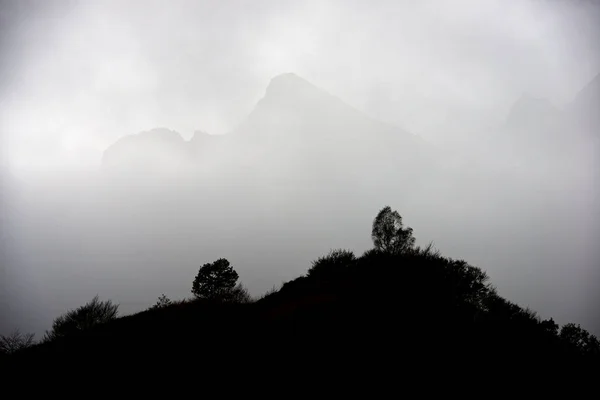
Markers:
point(163, 301)
point(332, 264)
point(92, 313)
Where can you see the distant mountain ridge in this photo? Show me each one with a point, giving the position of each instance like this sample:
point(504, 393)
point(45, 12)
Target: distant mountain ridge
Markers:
point(538, 134)
point(585, 107)
point(290, 100)
point(296, 123)
point(147, 150)
point(296, 129)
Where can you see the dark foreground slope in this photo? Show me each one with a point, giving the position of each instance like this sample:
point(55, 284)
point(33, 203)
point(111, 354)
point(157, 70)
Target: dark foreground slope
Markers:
point(378, 312)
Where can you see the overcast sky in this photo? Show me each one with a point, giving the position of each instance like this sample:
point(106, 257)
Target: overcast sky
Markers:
point(77, 75)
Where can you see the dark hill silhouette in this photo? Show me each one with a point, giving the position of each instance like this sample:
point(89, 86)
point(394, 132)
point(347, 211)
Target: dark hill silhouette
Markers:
point(365, 315)
point(387, 313)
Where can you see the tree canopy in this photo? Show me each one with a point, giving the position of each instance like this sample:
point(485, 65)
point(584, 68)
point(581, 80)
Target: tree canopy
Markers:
point(162, 302)
point(389, 234)
point(215, 280)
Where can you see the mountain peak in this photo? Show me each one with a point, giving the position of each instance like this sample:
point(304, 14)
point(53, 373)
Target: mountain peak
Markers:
point(290, 95)
point(288, 79)
point(290, 87)
point(292, 104)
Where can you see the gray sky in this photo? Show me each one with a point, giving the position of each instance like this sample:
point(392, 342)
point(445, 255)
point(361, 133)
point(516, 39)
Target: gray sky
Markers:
point(77, 75)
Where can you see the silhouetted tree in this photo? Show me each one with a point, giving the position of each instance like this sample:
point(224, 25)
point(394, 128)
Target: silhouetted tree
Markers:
point(332, 263)
point(215, 280)
point(15, 341)
point(388, 233)
point(580, 339)
point(549, 326)
point(163, 301)
point(505, 310)
point(470, 284)
point(92, 313)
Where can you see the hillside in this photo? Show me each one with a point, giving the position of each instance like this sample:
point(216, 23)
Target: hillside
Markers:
point(352, 313)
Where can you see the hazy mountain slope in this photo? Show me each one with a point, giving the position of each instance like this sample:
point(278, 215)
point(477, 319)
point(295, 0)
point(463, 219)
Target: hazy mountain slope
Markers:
point(531, 111)
point(310, 134)
point(542, 138)
point(296, 132)
point(584, 109)
point(154, 150)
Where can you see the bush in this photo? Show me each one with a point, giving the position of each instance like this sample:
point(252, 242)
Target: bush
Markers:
point(163, 301)
point(92, 313)
point(332, 264)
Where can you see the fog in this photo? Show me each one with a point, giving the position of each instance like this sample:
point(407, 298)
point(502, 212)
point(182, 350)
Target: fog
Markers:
point(476, 120)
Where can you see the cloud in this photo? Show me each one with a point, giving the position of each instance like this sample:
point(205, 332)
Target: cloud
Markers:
point(88, 73)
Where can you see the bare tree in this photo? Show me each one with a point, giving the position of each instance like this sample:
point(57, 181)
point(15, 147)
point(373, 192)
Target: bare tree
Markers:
point(15, 341)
